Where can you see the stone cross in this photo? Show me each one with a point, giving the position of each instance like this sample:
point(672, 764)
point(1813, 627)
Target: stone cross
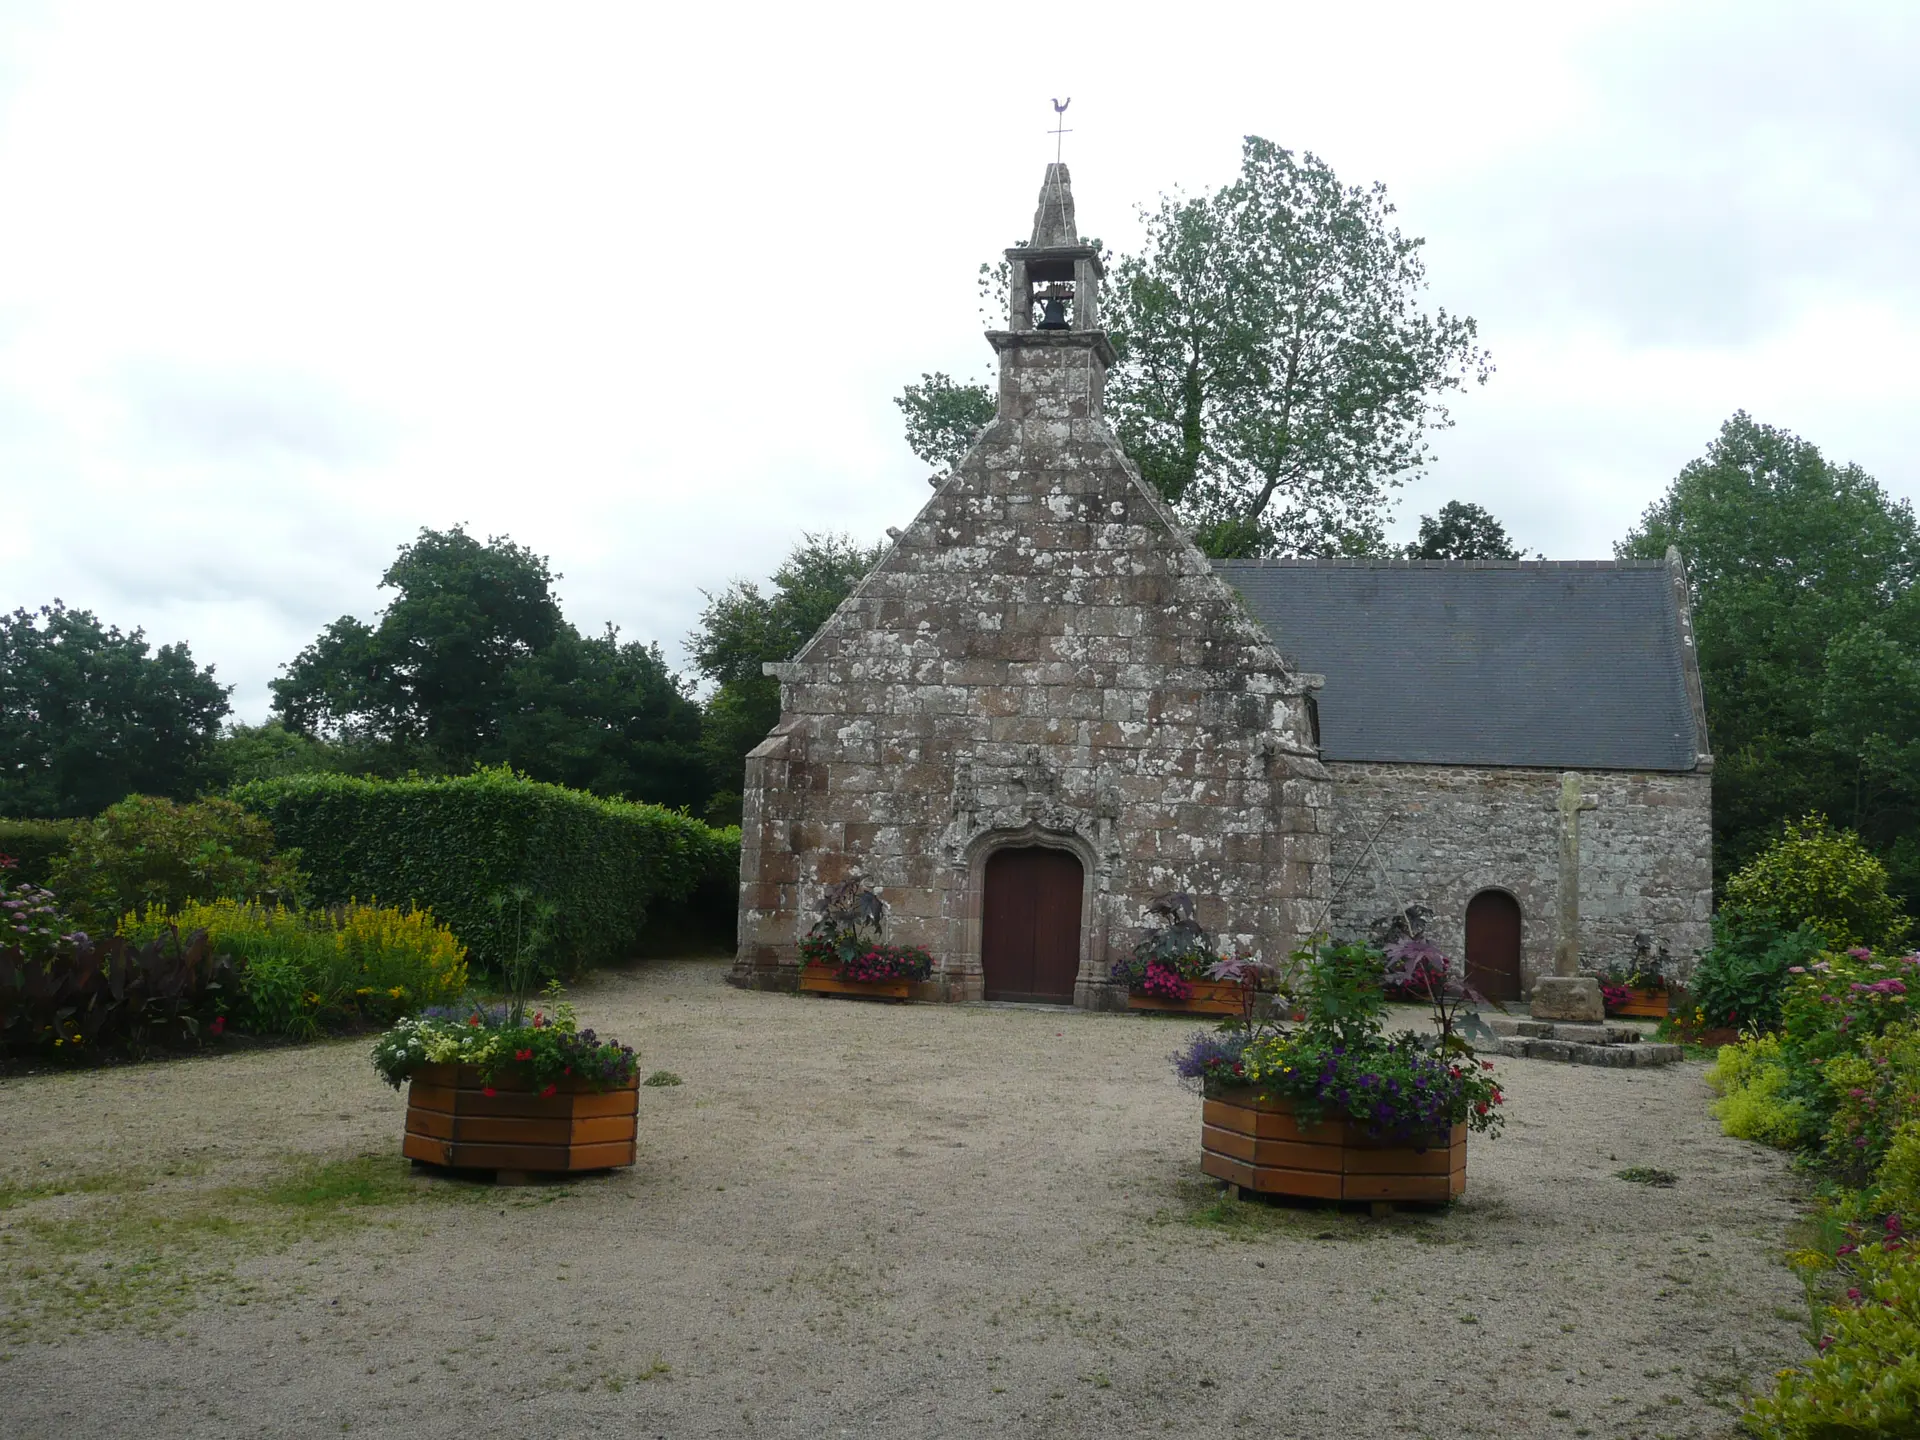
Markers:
point(1566, 955)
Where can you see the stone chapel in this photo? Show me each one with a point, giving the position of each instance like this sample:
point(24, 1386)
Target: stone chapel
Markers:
point(1045, 706)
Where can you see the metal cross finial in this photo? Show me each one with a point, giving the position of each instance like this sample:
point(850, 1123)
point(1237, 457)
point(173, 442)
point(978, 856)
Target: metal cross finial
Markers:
point(1059, 126)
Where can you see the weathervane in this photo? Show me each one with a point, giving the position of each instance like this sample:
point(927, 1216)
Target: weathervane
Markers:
point(1059, 126)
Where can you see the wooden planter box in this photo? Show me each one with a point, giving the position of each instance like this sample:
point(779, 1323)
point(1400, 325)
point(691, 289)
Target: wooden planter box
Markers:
point(452, 1121)
point(1257, 1145)
point(1210, 997)
point(1647, 1004)
point(819, 979)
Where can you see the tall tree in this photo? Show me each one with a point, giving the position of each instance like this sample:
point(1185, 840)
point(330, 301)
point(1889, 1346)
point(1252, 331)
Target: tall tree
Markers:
point(473, 663)
point(1808, 625)
point(742, 629)
point(942, 417)
point(89, 715)
point(1278, 378)
point(1462, 531)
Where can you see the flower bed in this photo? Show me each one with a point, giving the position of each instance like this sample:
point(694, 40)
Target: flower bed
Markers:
point(1310, 1109)
point(843, 955)
point(1839, 1081)
point(1174, 968)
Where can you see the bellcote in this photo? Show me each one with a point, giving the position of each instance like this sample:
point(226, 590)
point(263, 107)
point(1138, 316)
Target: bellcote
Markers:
point(1055, 280)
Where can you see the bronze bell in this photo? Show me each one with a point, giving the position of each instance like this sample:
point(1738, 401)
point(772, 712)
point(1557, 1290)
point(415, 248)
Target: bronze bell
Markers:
point(1054, 315)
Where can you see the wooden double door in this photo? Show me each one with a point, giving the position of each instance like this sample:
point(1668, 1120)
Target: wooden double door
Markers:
point(1030, 924)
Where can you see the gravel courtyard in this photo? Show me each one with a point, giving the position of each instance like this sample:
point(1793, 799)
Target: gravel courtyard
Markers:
point(863, 1220)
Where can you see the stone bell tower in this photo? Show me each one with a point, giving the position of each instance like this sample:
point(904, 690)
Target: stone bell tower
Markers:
point(1041, 710)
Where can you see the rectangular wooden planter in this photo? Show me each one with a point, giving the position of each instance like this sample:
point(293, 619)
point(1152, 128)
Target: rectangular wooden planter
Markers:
point(1210, 997)
point(452, 1121)
point(1258, 1145)
point(819, 979)
point(1647, 1004)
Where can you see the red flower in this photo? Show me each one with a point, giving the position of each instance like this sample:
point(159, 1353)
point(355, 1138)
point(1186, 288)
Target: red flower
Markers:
point(1486, 1064)
point(523, 1054)
point(539, 1020)
point(548, 1091)
point(473, 1019)
point(489, 1090)
point(1498, 1098)
point(1481, 1108)
point(219, 1024)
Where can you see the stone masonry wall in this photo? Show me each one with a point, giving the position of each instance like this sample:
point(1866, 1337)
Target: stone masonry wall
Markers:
point(1437, 835)
point(1042, 657)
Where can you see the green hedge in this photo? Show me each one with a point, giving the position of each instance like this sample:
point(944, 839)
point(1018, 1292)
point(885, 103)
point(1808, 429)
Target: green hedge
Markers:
point(36, 844)
point(454, 844)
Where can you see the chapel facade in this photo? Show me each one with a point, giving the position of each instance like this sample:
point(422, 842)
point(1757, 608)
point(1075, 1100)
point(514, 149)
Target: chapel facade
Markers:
point(1045, 707)
point(1042, 709)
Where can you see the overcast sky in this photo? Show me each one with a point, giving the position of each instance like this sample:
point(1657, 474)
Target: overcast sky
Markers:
point(635, 284)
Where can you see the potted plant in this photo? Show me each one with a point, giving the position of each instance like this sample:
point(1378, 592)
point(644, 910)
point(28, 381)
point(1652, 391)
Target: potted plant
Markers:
point(1171, 968)
point(1641, 989)
point(1332, 1108)
point(844, 955)
point(515, 1088)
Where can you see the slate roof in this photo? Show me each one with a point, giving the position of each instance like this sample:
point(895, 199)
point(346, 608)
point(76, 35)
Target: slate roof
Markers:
point(1576, 665)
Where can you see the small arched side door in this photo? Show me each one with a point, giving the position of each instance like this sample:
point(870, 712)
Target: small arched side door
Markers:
point(1493, 945)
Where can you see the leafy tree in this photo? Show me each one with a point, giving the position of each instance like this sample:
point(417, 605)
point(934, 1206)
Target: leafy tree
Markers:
point(266, 752)
point(742, 629)
point(1808, 626)
point(88, 714)
point(1277, 378)
point(601, 714)
point(434, 671)
point(473, 663)
point(943, 416)
point(1462, 531)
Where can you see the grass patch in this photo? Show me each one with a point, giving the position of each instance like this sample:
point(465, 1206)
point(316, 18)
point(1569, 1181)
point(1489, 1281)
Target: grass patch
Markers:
point(661, 1077)
point(131, 1254)
point(1648, 1175)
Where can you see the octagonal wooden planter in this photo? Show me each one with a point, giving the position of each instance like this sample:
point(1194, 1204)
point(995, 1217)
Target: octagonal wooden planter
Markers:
point(817, 979)
point(452, 1121)
point(1257, 1144)
point(1210, 997)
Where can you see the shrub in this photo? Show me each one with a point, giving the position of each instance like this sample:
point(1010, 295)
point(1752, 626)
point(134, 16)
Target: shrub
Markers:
point(1822, 877)
point(35, 844)
point(1873, 1094)
point(303, 971)
point(147, 851)
point(1865, 1382)
point(86, 995)
point(453, 844)
point(1743, 975)
point(1896, 1183)
point(1759, 1099)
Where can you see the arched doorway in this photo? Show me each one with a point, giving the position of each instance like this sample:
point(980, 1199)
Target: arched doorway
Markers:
point(1030, 924)
point(1493, 945)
